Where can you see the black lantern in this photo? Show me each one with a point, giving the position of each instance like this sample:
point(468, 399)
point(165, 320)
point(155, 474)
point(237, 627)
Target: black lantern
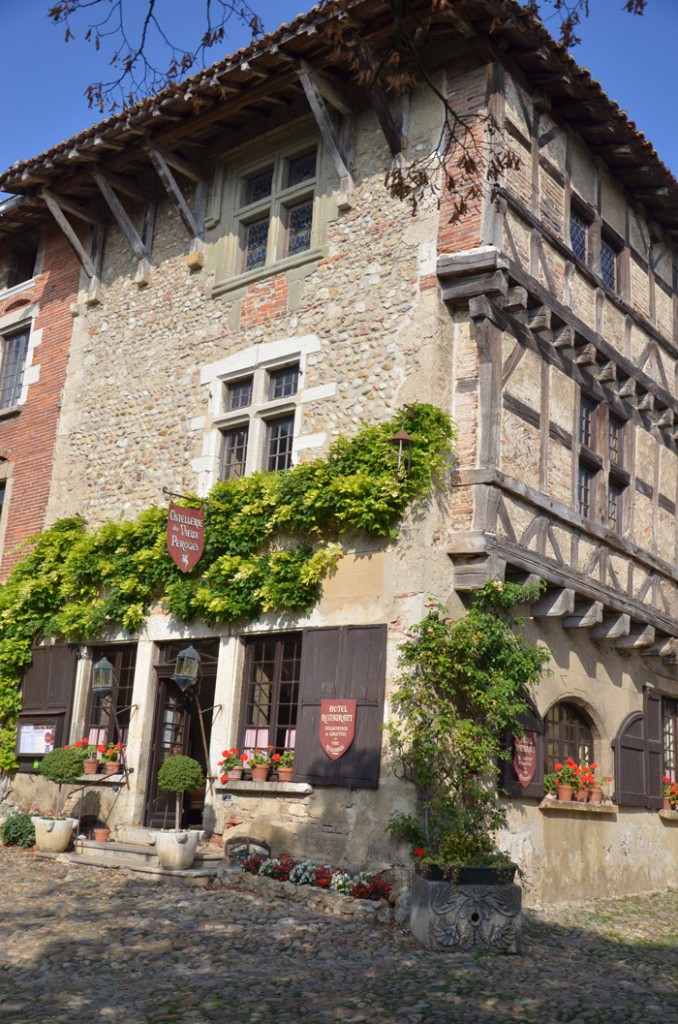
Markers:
point(102, 677)
point(186, 668)
point(404, 442)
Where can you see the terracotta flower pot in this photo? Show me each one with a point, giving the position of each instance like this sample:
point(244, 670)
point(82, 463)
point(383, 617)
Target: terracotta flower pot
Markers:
point(101, 835)
point(260, 772)
point(564, 792)
point(582, 796)
point(234, 774)
point(285, 774)
point(596, 796)
point(666, 804)
point(112, 768)
point(90, 766)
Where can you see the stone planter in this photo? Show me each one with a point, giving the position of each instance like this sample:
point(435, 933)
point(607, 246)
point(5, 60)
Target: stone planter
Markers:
point(176, 850)
point(451, 917)
point(53, 836)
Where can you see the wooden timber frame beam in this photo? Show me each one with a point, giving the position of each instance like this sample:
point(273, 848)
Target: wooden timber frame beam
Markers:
point(54, 206)
point(193, 222)
point(392, 132)
point(314, 94)
point(140, 249)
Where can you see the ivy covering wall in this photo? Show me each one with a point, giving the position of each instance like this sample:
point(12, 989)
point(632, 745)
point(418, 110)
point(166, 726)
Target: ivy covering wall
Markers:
point(270, 540)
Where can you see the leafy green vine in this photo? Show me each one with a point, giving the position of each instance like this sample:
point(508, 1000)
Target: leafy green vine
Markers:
point(270, 540)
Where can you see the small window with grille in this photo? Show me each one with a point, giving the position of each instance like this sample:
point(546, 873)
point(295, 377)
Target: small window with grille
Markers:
point(579, 232)
point(568, 734)
point(608, 264)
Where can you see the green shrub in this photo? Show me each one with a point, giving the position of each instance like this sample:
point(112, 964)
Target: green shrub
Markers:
point(63, 766)
point(17, 830)
point(179, 773)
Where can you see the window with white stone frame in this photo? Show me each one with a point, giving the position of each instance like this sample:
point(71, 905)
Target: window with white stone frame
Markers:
point(257, 421)
point(256, 407)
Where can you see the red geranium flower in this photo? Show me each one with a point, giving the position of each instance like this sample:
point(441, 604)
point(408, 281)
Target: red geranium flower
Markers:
point(418, 852)
point(559, 767)
point(244, 757)
point(224, 778)
point(275, 758)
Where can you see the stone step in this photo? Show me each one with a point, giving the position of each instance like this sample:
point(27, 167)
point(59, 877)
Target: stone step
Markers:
point(192, 877)
point(133, 854)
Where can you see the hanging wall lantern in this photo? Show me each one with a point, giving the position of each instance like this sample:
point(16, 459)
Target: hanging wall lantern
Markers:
point(186, 668)
point(403, 441)
point(102, 677)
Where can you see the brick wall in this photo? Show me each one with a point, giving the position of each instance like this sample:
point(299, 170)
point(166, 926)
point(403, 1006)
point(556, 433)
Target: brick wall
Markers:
point(27, 438)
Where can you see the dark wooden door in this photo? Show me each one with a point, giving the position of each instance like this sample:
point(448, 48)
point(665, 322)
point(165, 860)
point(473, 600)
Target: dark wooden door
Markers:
point(177, 730)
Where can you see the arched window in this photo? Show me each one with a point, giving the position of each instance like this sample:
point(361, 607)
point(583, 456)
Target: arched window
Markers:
point(568, 734)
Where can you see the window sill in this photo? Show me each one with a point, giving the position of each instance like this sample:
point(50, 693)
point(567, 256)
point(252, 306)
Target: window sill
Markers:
point(235, 287)
point(12, 410)
point(103, 780)
point(266, 788)
point(16, 289)
point(570, 806)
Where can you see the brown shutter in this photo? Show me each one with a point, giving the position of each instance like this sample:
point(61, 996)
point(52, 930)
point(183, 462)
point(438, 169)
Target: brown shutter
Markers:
point(532, 722)
point(652, 706)
point(349, 662)
point(35, 681)
point(48, 684)
point(630, 762)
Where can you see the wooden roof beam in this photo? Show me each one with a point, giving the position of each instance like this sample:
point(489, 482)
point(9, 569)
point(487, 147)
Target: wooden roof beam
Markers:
point(174, 193)
point(586, 615)
point(124, 223)
point(176, 162)
point(328, 132)
point(67, 229)
point(554, 604)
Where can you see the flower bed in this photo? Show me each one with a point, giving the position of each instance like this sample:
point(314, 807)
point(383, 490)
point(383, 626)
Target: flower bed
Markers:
point(322, 876)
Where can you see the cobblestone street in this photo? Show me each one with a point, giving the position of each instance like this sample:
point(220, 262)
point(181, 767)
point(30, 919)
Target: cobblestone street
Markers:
point(82, 944)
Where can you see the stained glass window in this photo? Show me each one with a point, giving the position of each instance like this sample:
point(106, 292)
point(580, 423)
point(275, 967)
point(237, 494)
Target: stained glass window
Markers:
point(258, 187)
point(302, 168)
point(299, 225)
point(256, 239)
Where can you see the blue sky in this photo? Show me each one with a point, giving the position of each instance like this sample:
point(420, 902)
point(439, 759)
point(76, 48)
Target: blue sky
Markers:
point(43, 79)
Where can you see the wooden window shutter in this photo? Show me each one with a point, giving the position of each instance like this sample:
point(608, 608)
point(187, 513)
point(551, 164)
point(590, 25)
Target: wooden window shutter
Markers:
point(652, 706)
point(532, 722)
point(349, 662)
point(35, 681)
point(630, 762)
point(48, 682)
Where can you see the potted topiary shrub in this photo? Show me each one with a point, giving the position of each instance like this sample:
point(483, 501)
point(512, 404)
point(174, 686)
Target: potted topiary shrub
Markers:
point(461, 692)
point(176, 848)
point(63, 767)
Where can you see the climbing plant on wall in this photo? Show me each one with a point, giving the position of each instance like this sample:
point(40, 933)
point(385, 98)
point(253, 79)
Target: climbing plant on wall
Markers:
point(270, 540)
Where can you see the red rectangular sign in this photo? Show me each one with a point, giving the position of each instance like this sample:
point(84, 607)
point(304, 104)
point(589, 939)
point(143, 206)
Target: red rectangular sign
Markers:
point(185, 535)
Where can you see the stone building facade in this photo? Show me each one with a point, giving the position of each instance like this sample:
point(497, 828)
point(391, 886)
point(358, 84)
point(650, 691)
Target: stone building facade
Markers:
point(249, 289)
